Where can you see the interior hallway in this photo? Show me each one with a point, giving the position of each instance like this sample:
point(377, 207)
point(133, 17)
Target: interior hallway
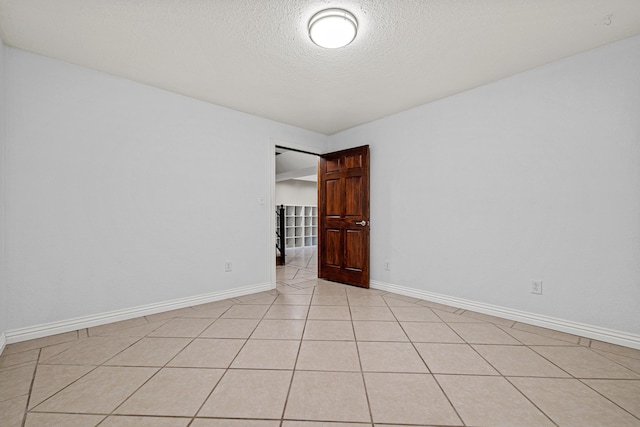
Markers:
point(313, 353)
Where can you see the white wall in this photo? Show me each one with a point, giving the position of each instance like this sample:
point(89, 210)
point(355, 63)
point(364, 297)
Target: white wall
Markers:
point(533, 177)
point(296, 192)
point(122, 195)
point(3, 295)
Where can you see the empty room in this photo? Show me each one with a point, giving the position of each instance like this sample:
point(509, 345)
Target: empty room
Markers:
point(457, 243)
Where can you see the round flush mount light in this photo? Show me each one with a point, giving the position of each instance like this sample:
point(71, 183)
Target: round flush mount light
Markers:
point(333, 28)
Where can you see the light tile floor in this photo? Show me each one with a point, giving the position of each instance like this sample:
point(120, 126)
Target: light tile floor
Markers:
point(314, 353)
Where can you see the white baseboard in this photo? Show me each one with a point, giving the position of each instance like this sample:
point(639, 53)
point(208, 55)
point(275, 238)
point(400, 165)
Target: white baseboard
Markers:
point(567, 326)
point(54, 328)
point(3, 342)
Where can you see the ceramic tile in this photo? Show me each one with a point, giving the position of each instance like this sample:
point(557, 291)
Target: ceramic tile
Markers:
point(35, 419)
point(330, 290)
point(518, 361)
point(327, 396)
point(451, 317)
point(246, 312)
point(355, 291)
point(259, 296)
point(134, 331)
point(309, 284)
point(454, 359)
point(12, 411)
point(366, 301)
point(91, 351)
point(116, 326)
point(379, 331)
point(430, 332)
point(291, 312)
point(203, 422)
point(328, 356)
point(584, 363)
point(222, 304)
point(437, 306)
point(570, 403)
point(329, 300)
point(267, 354)
point(209, 313)
point(328, 330)
point(390, 357)
point(415, 314)
point(493, 401)
point(627, 362)
point(400, 298)
point(38, 343)
point(482, 333)
point(561, 336)
point(395, 302)
point(150, 352)
point(328, 312)
point(289, 299)
point(624, 393)
point(401, 398)
point(249, 394)
point(16, 381)
point(172, 314)
point(616, 349)
point(284, 289)
point(182, 328)
point(208, 353)
point(286, 273)
point(372, 313)
point(129, 421)
point(99, 392)
point(230, 328)
point(321, 424)
point(50, 379)
point(15, 359)
point(487, 318)
point(83, 376)
point(48, 352)
point(172, 392)
point(279, 329)
point(529, 338)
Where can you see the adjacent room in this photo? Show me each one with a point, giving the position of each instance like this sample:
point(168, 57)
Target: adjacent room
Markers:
point(322, 213)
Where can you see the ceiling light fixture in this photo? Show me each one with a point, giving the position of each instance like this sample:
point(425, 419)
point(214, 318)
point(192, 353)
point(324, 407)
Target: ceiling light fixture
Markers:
point(333, 28)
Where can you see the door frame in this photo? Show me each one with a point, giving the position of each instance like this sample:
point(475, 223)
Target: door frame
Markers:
point(272, 195)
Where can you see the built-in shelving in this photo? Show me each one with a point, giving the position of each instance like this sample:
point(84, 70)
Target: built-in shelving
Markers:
point(301, 226)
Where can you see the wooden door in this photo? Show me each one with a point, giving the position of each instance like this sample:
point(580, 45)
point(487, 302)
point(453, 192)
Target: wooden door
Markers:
point(343, 216)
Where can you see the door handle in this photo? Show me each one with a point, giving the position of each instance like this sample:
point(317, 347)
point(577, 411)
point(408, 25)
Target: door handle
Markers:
point(362, 223)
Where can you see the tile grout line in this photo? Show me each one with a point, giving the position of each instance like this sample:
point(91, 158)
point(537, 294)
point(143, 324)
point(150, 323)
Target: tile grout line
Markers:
point(246, 340)
point(582, 381)
point(426, 364)
point(364, 381)
point(293, 372)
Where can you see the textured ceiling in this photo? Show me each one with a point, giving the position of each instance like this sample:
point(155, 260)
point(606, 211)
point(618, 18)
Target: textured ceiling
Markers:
point(255, 55)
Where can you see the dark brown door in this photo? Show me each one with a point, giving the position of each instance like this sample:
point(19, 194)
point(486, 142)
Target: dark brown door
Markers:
point(343, 213)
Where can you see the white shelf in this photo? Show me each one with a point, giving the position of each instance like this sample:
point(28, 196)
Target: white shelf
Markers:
point(301, 226)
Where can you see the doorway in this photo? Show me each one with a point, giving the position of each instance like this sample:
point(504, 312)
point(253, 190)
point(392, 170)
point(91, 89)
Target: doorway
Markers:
point(296, 222)
point(324, 234)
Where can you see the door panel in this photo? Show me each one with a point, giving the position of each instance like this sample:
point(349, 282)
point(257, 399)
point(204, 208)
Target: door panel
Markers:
point(353, 259)
point(343, 216)
point(333, 198)
point(352, 192)
point(332, 247)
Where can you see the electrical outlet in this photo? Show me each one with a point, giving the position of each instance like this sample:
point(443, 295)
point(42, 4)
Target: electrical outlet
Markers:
point(536, 287)
point(227, 266)
point(387, 265)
